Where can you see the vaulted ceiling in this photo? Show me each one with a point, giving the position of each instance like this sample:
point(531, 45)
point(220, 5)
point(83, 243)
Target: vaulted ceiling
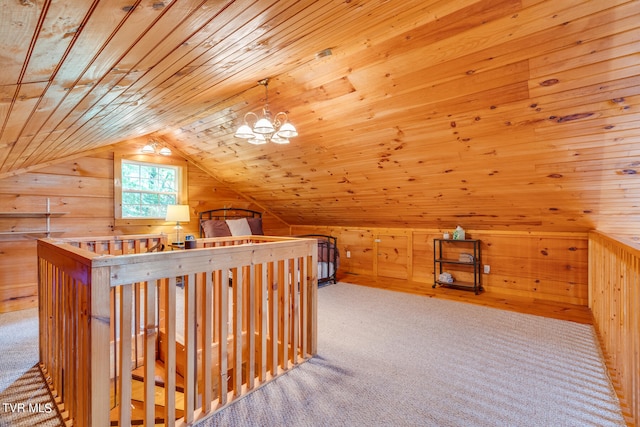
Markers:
point(496, 114)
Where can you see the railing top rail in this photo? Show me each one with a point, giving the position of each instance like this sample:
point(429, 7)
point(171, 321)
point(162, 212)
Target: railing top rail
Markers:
point(252, 238)
point(73, 252)
point(243, 250)
point(624, 242)
point(114, 238)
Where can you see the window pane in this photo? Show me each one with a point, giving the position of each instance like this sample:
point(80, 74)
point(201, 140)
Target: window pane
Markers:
point(130, 183)
point(129, 198)
point(131, 211)
point(150, 199)
point(130, 169)
point(168, 175)
point(158, 211)
point(168, 199)
point(149, 172)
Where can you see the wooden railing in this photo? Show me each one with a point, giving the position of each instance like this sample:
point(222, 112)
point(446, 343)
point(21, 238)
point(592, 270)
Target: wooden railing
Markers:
point(206, 325)
point(614, 298)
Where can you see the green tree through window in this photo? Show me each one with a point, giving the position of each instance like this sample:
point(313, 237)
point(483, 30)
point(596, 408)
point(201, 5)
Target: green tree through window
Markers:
point(147, 189)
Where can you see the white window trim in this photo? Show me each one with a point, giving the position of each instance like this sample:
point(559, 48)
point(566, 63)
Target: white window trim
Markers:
point(183, 198)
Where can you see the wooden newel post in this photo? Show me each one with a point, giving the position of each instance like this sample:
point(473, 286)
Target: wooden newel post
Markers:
point(99, 323)
point(313, 306)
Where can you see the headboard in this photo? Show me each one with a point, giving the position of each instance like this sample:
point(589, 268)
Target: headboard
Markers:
point(328, 256)
point(223, 214)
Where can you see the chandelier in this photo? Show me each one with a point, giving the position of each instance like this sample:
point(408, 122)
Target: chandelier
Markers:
point(154, 148)
point(266, 129)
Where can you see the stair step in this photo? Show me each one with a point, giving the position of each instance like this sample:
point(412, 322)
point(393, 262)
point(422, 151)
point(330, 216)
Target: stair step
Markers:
point(137, 401)
point(137, 414)
point(159, 376)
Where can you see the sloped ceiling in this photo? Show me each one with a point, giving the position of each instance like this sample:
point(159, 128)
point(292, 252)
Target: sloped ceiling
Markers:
point(498, 114)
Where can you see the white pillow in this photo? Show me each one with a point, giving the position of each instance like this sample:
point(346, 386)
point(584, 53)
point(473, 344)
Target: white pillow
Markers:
point(239, 227)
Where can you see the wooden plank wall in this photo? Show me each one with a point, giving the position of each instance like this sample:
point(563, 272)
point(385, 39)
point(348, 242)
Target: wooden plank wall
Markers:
point(83, 188)
point(546, 266)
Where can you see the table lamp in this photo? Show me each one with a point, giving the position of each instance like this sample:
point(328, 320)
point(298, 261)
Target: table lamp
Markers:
point(178, 213)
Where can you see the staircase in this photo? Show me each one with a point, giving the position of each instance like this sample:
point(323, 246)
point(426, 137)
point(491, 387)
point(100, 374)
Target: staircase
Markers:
point(137, 400)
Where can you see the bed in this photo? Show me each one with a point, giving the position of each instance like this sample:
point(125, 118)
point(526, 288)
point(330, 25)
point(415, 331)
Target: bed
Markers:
point(226, 222)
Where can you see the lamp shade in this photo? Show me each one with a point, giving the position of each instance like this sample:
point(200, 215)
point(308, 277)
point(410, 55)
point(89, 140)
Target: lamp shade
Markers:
point(279, 140)
point(287, 130)
point(244, 132)
point(257, 139)
point(178, 213)
point(263, 126)
point(148, 149)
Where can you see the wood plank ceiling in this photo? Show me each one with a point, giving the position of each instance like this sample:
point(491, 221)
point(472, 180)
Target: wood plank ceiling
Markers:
point(495, 114)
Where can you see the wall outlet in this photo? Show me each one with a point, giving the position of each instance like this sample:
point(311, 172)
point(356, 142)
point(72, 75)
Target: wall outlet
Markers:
point(348, 254)
point(487, 269)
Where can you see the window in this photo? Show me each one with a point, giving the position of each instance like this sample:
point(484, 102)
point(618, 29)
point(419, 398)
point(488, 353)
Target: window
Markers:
point(144, 188)
point(147, 189)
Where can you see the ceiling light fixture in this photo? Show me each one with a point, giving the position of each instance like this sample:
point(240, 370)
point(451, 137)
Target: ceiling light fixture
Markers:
point(152, 148)
point(264, 130)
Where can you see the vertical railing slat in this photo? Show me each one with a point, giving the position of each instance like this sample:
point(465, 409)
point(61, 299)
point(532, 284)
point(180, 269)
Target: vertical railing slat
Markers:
point(72, 321)
point(223, 326)
point(264, 322)
point(59, 332)
point(295, 318)
point(137, 322)
point(170, 351)
point(313, 305)
point(207, 340)
point(150, 342)
point(190, 342)
point(251, 327)
point(125, 348)
point(84, 350)
point(274, 322)
point(285, 305)
point(238, 285)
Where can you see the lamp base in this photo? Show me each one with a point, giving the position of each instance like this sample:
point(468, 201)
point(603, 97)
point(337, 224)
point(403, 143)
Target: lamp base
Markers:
point(177, 246)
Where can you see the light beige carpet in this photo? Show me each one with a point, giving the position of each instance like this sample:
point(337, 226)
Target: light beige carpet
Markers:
point(24, 396)
point(393, 359)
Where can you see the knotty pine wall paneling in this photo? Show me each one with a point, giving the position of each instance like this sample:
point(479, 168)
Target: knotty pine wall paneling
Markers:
point(83, 188)
point(549, 266)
